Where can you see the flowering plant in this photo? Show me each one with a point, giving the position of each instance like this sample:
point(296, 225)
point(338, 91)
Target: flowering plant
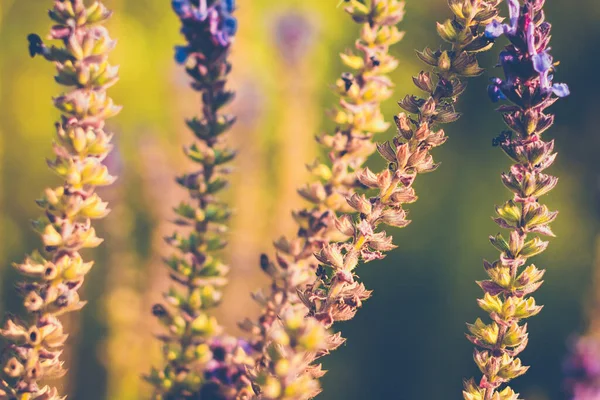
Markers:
point(200, 359)
point(313, 274)
point(528, 68)
point(55, 275)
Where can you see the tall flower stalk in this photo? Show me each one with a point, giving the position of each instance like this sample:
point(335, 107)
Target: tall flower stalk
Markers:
point(358, 118)
point(288, 369)
point(55, 275)
point(527, 85)
point(200, 361)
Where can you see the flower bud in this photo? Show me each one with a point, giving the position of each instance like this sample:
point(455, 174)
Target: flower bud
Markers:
point(444, 62)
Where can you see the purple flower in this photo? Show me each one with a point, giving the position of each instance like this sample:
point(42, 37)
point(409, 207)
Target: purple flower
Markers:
point(227, 366)
point(494, 90)
point(182, 7)
point(223, 25)
point(495, 29)
point(542, 64)
point(561, 89)
point(181, 54)
point(186, 10)
point(514, 12)
point(530, 37)
point(229, 5)
point(230, 25)
point(517, 63)
point(215, 20)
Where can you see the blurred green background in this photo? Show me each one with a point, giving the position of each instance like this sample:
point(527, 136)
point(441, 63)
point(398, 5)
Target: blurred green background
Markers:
point(408, 340)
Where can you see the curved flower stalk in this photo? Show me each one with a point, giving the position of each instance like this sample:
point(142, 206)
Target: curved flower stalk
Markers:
point(358, 118)
point(528, 69)
point(289, 370)
point(55, 275)
point(200, 361)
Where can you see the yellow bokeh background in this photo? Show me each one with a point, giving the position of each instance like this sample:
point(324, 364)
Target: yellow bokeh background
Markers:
point(407, 343)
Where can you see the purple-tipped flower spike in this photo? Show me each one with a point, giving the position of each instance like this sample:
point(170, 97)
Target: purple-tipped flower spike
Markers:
point(527, 85)
point(524, 29)
point(200, 361)
point(54, 276)
point(315, 273)
point(214, 16)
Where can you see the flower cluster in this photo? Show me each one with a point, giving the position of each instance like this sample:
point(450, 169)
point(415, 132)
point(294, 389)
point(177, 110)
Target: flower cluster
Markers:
point(201, 18)
point(199, 358)
point(288, 369)
point(81, 144)
point(528, 86)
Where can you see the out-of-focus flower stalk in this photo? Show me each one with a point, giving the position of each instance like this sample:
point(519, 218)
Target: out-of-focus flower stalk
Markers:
point(582, 366)
point(528, 70)
point(200, 361)
point(287, 369)
point(81, 143)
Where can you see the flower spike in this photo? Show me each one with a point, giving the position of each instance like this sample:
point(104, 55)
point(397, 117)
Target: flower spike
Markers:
point(507, 293)
point(200, 360)
point(54, 276)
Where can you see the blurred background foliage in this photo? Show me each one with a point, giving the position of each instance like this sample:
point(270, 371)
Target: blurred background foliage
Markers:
point(407, 342)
